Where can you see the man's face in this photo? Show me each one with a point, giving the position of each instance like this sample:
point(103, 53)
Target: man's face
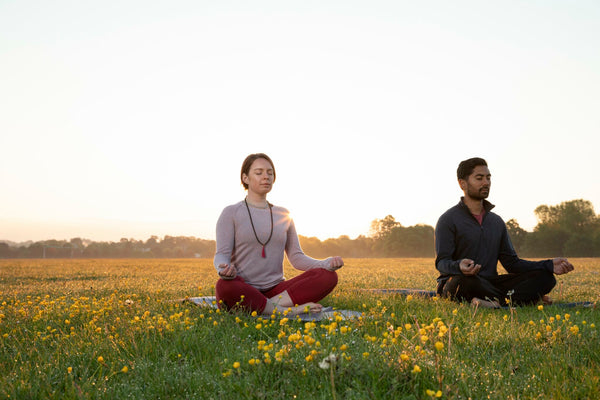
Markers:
point(477, 185)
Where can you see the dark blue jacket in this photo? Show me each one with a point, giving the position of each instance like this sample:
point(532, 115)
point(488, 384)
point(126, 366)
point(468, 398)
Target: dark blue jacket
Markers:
point(458, 235)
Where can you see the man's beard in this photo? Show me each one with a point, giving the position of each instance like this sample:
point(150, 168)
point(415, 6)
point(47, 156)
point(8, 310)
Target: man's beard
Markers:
point(480, 194)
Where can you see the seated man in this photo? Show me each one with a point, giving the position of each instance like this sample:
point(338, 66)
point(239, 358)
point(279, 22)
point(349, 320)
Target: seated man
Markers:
point(470, 240)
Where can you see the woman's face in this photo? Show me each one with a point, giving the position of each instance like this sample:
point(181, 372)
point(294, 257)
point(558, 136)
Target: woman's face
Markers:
point(260, 177)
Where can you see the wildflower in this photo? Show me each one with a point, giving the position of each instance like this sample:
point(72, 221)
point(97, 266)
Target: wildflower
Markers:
point(236, 365)
point(226, 373)
point(254, 313)
point(125, 369)
point(439, 346)
point(574, 329)
point(409, 298)
point(283, 321)
point(404, 357)
point(70, 370)
point(328, 361)
point(540, 307)
point(416, 369)
point(258, 326)
point(455, 311)
point(365, 354)
point(101, 359)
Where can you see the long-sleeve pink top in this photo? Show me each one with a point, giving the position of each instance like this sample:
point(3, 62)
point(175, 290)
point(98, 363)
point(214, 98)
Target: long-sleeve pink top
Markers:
point(237, 245)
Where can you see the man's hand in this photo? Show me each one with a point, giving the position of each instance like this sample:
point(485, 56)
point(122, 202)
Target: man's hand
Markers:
point(468, 267)
point(335, 263)
point(227, 272)
point(562, 266)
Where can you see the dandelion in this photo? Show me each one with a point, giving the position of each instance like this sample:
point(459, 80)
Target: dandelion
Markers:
point(328, 361)
point(540, 307)
point(101, 359)
point(125, 369)
point(236, 365)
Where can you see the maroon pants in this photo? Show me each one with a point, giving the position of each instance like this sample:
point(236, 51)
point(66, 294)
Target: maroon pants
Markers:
point(310, 286)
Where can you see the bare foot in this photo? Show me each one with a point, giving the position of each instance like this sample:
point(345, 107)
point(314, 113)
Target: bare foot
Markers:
point(484, 303)
point(547, 300)
point(309, 308)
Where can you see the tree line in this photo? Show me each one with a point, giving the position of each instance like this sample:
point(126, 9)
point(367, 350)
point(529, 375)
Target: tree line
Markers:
point(570, 229)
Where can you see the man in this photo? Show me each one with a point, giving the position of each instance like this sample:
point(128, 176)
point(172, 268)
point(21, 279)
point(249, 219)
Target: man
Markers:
point(470, 240)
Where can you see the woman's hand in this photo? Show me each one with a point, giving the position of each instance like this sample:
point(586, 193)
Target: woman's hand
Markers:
point(227, 272)
point(335, 263)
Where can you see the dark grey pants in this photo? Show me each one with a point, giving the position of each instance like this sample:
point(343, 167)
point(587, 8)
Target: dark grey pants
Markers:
point(524, 288)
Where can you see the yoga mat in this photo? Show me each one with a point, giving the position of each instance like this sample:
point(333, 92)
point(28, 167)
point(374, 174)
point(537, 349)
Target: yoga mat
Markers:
point(325, 314)
point(430, 293)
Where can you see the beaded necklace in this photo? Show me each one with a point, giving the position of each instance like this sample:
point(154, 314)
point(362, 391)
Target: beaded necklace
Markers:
point(264, 255)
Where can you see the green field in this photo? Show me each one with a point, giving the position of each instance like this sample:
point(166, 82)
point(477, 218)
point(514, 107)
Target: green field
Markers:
point(109, 329)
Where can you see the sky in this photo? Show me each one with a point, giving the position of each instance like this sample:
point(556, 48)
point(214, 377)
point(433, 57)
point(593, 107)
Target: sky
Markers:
point(127, 119)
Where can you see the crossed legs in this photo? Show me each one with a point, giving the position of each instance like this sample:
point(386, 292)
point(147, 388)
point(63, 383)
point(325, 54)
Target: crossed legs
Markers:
point(295, 294)
point(524, 288)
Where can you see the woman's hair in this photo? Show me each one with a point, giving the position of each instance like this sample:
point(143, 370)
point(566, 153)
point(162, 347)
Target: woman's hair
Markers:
point(248, 163)
point(466, 167)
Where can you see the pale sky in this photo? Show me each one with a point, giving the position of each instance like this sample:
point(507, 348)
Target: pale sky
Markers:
point(132, 118)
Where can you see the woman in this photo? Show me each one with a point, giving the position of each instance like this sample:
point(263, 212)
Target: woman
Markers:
point(252, 236)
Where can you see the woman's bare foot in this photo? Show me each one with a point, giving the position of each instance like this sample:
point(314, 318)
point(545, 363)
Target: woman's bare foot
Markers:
point(484, 303)
point(309, 308)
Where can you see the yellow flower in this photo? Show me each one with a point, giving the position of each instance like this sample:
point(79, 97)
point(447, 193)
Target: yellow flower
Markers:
point(236, 365)
point(416, 369)
point(540, 307)
point(574, 329)
point(125, 369)
point(70, 369)
point(439, 346)
point(100, 359)
point(365, 354)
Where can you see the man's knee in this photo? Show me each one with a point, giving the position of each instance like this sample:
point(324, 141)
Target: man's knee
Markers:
point(460, 287)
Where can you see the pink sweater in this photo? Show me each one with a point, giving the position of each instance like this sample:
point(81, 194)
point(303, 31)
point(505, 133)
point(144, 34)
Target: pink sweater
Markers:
point(237, 245)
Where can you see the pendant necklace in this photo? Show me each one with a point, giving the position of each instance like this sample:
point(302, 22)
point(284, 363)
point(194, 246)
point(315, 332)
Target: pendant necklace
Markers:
point(254, 230)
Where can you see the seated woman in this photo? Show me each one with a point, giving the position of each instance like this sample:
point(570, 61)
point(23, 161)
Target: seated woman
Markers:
point(252, 236)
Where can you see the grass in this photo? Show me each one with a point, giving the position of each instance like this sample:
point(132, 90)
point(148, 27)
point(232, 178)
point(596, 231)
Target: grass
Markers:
point(108, 329)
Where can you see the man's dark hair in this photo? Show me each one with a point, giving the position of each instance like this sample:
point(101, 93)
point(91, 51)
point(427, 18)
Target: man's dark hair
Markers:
point(466, 167)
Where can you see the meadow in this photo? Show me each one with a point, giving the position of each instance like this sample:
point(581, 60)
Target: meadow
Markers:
point(110, 328)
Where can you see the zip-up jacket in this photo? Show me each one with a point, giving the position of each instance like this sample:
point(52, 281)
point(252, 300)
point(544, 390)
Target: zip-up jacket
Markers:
point(459, 235)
